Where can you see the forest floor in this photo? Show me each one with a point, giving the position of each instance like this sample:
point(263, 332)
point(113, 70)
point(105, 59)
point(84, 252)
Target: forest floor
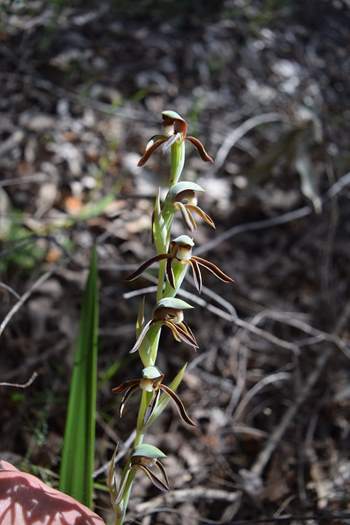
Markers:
point(265, 85)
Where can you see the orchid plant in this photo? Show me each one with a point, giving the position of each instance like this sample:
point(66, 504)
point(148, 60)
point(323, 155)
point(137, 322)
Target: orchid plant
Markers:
point(174, 257)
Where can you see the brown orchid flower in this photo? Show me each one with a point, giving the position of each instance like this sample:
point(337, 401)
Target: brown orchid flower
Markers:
point(182, 197)
point(169, 313)
point(181, 251)
point(152, 381)
point(175, 128)
point(146, 458)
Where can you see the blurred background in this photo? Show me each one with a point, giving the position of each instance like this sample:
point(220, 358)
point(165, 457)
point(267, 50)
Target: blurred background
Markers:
point(265, 85)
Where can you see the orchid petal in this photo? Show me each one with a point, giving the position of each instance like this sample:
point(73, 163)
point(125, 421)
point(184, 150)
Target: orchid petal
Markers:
point(201, 149)
point(170, 273)
point(187, 217)
point(187, 330)
point(146, 264)
point(201, 213)
point(170, 141)
point(162, 469)
point(173, 330)
point(180, 406)
point(151, 407)
point(186, 336)
point(211, 267)
point(197, 276)
point(124, 386)
point(151, 147)
point(154, 479)
point(125, 398)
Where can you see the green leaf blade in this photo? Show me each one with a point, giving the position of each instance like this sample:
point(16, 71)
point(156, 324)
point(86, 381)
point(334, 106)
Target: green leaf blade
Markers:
point(77, 463)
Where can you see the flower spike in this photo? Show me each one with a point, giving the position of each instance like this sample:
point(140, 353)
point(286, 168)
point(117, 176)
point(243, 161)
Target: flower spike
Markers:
point(175, 128)
point(174, 257)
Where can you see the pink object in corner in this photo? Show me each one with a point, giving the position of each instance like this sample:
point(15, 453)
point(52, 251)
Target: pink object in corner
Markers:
point(25, 500)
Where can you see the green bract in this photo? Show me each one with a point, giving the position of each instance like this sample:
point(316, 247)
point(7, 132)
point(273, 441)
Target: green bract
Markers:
point(151, 372)
point(183, 186)
point(185, 240)
point(148, 451)
point(173, 302)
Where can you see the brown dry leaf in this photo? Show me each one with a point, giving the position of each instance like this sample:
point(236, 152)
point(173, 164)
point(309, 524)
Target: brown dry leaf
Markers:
point(276, 486)
point(73, 205)
point(320, 483)
point(53, 255)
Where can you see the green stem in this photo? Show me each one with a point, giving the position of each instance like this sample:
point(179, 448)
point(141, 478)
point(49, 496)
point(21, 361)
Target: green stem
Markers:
point(177, 161)
point(130, 473)
point(120, 516)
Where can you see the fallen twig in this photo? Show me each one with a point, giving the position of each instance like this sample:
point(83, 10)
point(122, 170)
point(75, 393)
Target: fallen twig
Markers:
point(23, 299)
point(276, 436)
point(21, 385)
point(239, 132)
point(185, 495)
point(285, 218)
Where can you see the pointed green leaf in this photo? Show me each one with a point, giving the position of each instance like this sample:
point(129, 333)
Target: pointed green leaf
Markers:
point(77, 463)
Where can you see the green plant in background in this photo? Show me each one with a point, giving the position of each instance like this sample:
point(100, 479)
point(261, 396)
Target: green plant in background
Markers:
point(174, 257)
point(77, 465)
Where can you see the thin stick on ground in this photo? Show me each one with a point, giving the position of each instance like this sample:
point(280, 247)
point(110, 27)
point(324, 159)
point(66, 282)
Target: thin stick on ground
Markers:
point(21, 385)
point(275, 438)
point(285, 218)
point(23, 299)
point(239, 132)
point(187, 495)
